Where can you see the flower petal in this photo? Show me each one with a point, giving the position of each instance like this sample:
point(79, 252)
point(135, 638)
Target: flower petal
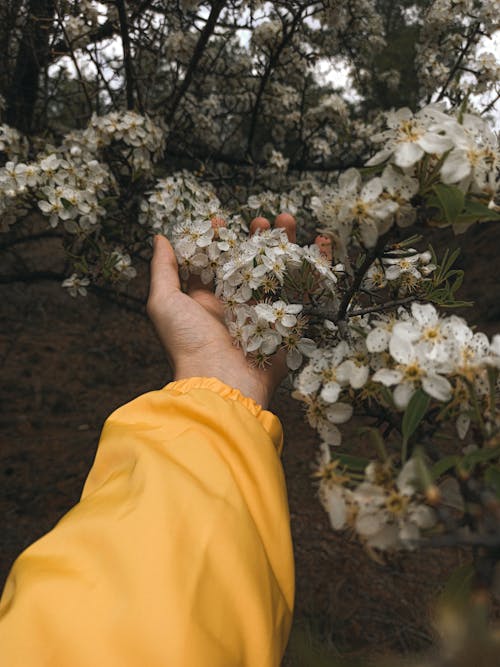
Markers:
point(402, 395)
point(388, 377)
point(406, 154)
point(401, 349)
point(437, 386)
point(435, 143)
point(339, 413)
point(332, 499)
point(330, 392)
point(378, 340)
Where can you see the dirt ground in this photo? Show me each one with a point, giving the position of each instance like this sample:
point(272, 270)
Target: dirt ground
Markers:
point(66, 364)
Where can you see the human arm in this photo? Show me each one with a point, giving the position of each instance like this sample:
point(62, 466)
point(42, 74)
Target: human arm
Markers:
point(179, 552)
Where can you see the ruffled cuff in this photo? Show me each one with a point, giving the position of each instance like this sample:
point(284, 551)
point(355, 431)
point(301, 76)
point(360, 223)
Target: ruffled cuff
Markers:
point(267, 419)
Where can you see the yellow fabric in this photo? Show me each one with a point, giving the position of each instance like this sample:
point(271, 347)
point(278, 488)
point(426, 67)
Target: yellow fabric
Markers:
point(179, 552)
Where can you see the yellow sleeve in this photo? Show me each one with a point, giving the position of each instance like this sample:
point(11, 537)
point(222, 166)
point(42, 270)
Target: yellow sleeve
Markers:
point(179, 551)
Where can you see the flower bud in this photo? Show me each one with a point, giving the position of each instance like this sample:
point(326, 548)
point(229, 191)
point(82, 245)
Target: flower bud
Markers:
point(433, 495)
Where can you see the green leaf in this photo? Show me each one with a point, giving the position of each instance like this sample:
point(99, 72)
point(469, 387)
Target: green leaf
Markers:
point(492, 479)
point(358, 463)
point(474, 211)
point(66, 203)
point(414, 413)
point(443, 465)
point(386, 395)
point(480, 456)
point(451, 200)
point(376, 439)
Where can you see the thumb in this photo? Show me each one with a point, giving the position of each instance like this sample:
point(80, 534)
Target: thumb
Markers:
point(164, 270)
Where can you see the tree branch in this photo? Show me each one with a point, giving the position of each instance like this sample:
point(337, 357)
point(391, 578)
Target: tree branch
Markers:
point(33, 277)
point(382, 306)
point(126, 301)
point(273, 61)
point(104, 31)
point(32, 57)
point(205, 35)
point(27, 239)
point(127, 56)
point(299, 165)
point(470, 37)
point(370, 257)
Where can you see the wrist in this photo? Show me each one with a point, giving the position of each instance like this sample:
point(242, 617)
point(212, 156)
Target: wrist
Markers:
point(248, 387)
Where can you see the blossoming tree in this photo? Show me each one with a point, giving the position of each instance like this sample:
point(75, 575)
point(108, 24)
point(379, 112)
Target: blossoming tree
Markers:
point(371, 123)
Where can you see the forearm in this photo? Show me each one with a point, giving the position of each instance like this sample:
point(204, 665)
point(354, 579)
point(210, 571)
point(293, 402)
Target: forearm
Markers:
point(179, 551)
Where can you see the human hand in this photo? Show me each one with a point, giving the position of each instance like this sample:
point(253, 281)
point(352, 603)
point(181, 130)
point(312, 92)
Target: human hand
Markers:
point(192, 331)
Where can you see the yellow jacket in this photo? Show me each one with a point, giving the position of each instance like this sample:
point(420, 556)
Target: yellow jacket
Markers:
point(179, 551)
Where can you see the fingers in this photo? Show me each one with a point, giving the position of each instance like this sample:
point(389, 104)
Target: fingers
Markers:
point(259, 224)
point(195, 283)
point(164, 271)
point(287, 222)
point(284, 221)
point(325, 246)
point(217, 222)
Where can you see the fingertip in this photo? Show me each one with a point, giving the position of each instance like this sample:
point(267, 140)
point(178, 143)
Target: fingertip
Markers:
point(287, 222)
point(164, 244)
point(325, 246)
point(164, 268)
point(259, 223)
point(217, 221)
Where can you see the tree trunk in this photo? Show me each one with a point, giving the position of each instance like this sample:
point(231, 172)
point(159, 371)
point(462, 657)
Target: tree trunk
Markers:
point(32, 58)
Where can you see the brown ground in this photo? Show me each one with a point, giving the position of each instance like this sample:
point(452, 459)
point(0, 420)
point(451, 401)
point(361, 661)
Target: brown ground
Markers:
point(66, 364)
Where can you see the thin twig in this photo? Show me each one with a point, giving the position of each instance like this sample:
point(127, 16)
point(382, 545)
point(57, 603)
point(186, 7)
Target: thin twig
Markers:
point(205, 35)
point(71, 53)
point(273, 61)
point(127, 56)
point(470, 37)
point(382, 306)
point(27, 239)
point(370, 257)
point(127, 301)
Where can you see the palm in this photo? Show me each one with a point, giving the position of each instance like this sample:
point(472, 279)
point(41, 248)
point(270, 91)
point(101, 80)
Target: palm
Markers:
point(192, 330)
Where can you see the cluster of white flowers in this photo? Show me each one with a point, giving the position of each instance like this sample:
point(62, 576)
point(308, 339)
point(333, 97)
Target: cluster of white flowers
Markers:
point(260, 280)
point(121, 265)
point(356, 210)
point(469, 147)
point(440, 354)
point(76, 31)
point(325, 384)
point(12, 143)
point(77, 27)
point(140, 140)
point(429, 146)
point(69, 182)
point(451, 27)
point(267, 35)
point(271, 203)
point(360, 20)
point(117, 267)
point(179, 45)
point(404, 270)
point(279, 161)
point(408, 351)
point(65, 189)
point(386, 511)
point(76, 286)
point(178, 197)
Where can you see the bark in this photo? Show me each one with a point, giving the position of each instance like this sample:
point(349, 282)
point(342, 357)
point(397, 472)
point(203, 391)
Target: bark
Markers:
point(32, 58)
